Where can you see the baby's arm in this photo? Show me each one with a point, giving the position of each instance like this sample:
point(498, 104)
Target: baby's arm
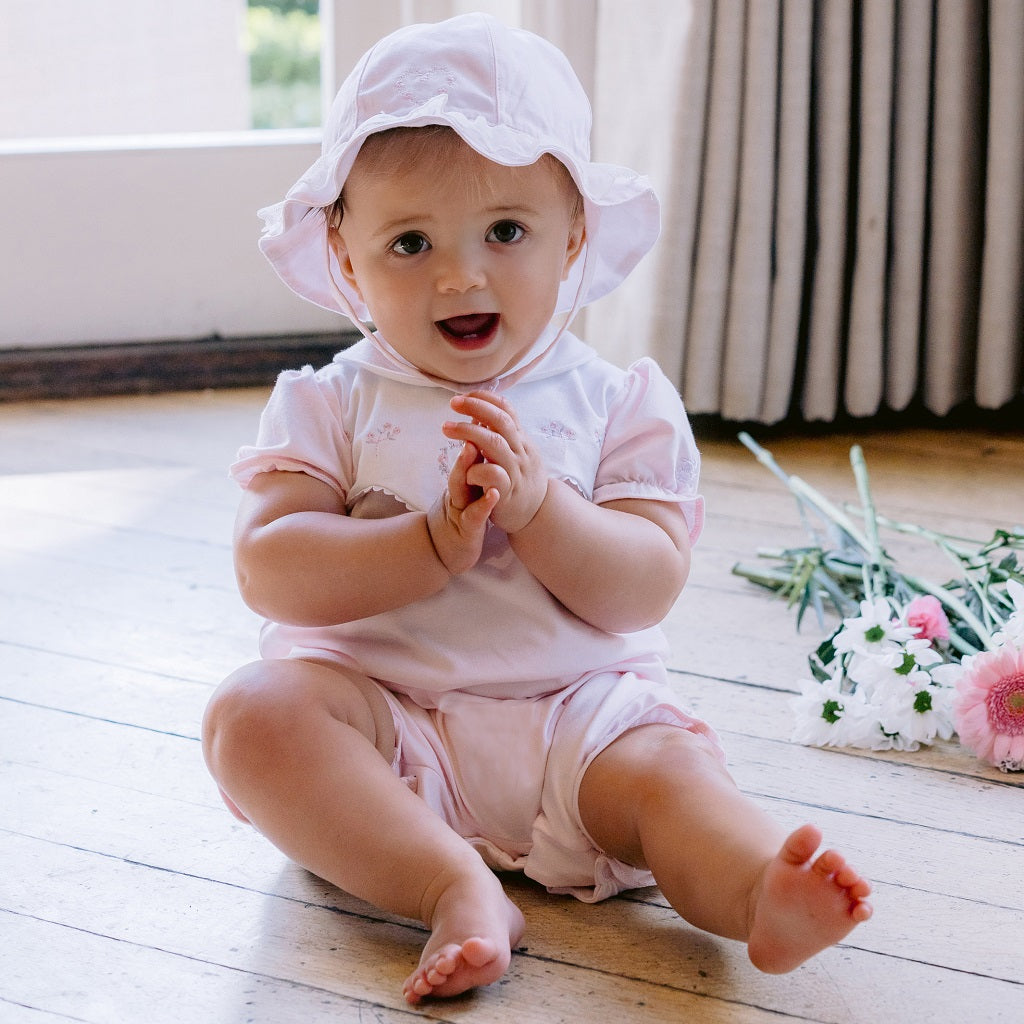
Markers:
point(301, 560)
point(619, 566)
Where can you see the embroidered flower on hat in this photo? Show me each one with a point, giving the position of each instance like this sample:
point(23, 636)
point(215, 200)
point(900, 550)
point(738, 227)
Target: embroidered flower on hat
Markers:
point(417, 85)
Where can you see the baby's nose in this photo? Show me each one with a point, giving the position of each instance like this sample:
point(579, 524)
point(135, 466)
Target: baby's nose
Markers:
point(461, 272)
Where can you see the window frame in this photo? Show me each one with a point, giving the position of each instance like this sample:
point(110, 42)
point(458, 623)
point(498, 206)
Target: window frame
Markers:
point(152, 238)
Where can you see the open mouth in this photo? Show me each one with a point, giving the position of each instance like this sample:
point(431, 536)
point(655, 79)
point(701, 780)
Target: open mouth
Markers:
point(474, 330)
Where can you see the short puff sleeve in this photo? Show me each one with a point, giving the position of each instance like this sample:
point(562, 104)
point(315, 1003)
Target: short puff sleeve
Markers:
point(649, 451)
point(300, 432)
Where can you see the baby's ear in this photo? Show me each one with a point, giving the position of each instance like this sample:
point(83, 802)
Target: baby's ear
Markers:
point(336, 241)
point(574, 244)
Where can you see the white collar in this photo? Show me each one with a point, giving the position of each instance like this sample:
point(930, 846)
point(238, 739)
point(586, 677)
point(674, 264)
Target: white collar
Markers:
point(555, 351)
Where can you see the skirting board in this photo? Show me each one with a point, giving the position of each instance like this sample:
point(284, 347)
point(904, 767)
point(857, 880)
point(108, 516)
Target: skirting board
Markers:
point(87, 371)
point(90, 370)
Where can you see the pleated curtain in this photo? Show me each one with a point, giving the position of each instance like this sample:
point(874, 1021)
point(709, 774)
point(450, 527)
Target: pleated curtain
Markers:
point(842, 183)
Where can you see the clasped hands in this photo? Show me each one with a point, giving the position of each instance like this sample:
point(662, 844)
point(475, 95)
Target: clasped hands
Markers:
point(498, 476)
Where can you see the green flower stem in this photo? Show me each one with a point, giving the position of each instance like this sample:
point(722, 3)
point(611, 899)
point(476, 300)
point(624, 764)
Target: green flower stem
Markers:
point(805, 492)
point(767, 460)
point(979, 588)
point(842, 601)
point(806, 577)
point(836, 568)
point(860, 473)
point(962, 646)
point(773, 578)
point(963, 559)
point(833, 512)
point(763, 456)
point(933, 535)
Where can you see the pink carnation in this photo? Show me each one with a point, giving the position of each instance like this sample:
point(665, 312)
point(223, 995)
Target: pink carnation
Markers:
point(989, 709)
point(926, 615)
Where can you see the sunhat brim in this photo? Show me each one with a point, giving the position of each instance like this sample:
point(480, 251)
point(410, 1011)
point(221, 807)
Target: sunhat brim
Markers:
point(511, 96)
point(621, 212)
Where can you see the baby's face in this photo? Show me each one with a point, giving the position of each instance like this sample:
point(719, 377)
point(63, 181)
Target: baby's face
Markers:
point(459, 266)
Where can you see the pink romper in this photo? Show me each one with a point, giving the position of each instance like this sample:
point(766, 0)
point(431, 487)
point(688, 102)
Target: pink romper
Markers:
point(501, 697)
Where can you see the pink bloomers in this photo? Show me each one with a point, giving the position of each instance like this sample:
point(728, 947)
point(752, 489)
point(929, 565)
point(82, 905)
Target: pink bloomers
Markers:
point(505, 773)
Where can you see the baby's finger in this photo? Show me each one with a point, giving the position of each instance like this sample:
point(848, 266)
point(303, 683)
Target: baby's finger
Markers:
point(468, 455)
point(478, 512)
point(489, 443)
point(459, 487)
point(482, 401)
point(489, 410)
point(488, 475)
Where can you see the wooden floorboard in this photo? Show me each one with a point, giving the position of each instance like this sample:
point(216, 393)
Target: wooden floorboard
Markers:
point(127, 892)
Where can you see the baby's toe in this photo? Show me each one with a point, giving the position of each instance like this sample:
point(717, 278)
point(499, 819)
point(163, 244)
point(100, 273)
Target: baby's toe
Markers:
point(830, 863)
point(847, 877)
point(416, 988)
point(438, 974)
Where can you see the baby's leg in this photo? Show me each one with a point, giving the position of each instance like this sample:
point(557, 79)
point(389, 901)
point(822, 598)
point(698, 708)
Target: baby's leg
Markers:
point(303, 752)
point(658, 797)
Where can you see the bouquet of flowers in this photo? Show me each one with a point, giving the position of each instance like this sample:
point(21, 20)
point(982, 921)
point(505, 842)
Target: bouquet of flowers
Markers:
point(912, 661)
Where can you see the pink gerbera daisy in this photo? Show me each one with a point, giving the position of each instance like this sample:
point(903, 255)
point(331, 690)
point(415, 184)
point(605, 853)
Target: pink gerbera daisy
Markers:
point(989, 709)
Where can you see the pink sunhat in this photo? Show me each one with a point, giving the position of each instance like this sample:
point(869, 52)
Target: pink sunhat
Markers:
point(509, 94)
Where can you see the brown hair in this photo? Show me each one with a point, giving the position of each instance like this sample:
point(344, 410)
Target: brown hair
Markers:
point(398, 150)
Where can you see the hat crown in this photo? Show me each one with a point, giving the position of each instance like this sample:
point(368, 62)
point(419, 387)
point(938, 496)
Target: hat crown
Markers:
point(472, 67)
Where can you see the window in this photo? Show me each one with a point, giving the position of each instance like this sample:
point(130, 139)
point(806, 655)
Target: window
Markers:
point(131, 176)
point(137, 67)
point(283, 44)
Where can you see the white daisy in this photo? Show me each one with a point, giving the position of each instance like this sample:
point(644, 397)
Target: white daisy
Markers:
point(875, 629)
point(826, 716)
point(897, 664)
point(1013, 629)
point(916, 713)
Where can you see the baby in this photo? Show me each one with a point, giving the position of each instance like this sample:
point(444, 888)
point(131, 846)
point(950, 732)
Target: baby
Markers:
point(464, 532)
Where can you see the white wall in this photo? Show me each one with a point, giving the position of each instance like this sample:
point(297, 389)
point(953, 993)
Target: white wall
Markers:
point(151, 242)
point(103, 67)
point(112, 230)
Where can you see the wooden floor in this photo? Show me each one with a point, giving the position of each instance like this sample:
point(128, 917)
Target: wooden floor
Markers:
point(128, 894)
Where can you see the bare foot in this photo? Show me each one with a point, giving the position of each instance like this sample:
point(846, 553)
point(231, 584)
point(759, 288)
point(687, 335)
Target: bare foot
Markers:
point(804, 905)
point(473, 930)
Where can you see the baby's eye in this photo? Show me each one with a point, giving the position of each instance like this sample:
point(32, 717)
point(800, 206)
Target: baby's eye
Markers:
point(505, 231)
point(410, 244)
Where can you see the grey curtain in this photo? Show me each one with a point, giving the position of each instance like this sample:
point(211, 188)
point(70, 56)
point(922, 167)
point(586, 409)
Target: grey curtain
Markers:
point(842, 183)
